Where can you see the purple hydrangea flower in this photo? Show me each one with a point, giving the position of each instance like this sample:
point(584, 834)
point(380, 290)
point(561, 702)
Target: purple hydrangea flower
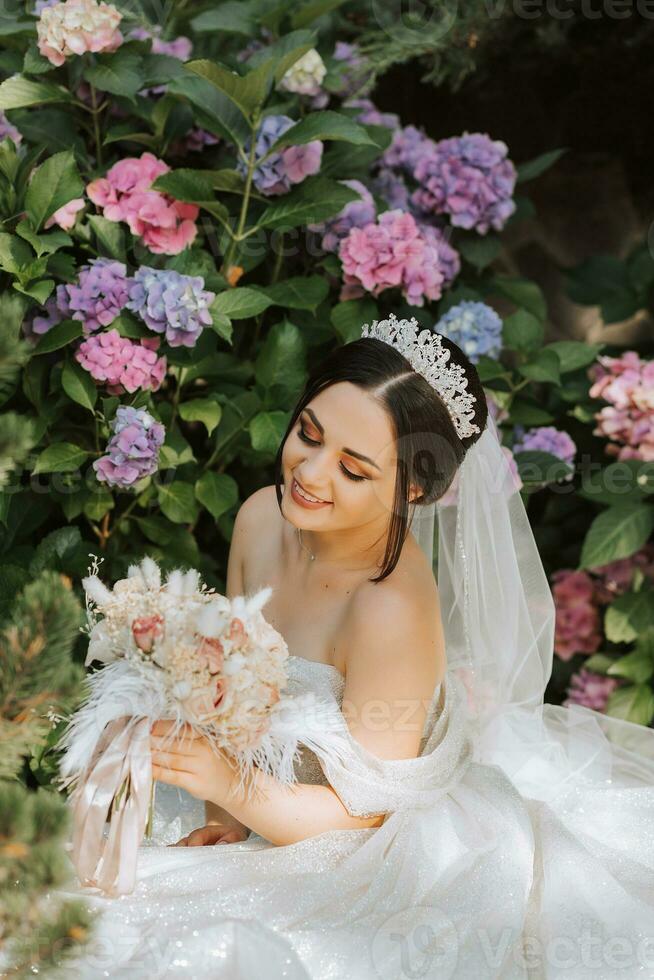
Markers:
point(280, 170)
point(392, 188)
point(56, 309)
point(370, 115)
point(169, 302)
point(99, 295)
point(468, 177)
point(407, 146)
point(7, 129)
point(356, 214)
point(546, 439)
point(449, 259)
point(590, 690)
point(353, 74)
point(475, 327)
point(133, 449)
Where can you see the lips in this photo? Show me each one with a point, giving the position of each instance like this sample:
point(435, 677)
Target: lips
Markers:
point(301, 500)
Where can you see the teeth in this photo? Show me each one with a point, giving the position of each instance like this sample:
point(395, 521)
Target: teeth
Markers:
point(306, 495)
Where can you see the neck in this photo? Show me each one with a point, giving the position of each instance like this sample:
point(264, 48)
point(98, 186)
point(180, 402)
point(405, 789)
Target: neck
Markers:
point(356, 548)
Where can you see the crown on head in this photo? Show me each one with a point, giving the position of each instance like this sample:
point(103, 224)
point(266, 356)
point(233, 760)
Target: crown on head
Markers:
point(429, 357)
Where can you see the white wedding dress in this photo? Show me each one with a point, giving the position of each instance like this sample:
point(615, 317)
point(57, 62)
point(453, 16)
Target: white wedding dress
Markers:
point(531, 866)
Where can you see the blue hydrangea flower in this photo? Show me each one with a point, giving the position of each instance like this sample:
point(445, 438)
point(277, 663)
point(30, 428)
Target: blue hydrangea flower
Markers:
point(475, 327)
point(169, 302)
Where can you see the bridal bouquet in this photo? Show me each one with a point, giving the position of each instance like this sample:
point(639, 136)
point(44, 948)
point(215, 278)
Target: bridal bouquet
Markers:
point(180, 651)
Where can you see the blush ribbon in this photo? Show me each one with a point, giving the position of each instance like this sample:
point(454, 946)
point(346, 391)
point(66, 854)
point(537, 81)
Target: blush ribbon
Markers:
point(122, 755)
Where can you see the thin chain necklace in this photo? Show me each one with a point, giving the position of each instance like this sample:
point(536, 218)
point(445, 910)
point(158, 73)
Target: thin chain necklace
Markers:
point(310, 554)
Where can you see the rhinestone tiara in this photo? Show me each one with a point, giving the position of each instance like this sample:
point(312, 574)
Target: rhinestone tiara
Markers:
point(429, 357)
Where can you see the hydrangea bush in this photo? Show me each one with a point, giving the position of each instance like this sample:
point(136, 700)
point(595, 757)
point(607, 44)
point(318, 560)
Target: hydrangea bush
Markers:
point(192, 213)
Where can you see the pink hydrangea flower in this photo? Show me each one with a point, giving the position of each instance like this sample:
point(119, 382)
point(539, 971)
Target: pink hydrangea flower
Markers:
point(387, 253)
point(75, 27)
point(590, 690)
point(66, 216)
point(122, 364)
point(615, 578)
point(627, 382)
point(164, 225)
point(577, 628)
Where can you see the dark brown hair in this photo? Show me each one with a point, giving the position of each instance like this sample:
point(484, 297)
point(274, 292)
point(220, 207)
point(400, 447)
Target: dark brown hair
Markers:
point(429, 449)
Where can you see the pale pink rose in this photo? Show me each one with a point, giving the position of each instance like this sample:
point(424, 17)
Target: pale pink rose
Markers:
point(146, 630)
point(237, 633)
point(211, 650)
point(219, 690)
point(65, 216)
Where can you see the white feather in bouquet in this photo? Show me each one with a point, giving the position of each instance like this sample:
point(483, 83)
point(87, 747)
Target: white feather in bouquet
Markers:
point(180, 651)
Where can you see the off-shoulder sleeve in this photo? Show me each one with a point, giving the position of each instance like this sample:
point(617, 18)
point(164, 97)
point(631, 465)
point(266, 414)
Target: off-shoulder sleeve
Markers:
point(368, 785)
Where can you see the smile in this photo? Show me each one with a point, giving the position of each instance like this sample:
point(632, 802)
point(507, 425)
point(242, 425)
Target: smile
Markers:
point(297, 491)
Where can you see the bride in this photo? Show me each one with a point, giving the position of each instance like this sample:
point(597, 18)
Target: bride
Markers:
point(448, 823)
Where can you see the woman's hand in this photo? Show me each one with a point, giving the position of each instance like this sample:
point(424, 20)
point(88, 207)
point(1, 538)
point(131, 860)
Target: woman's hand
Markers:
point(214, 833)
point(189, 761)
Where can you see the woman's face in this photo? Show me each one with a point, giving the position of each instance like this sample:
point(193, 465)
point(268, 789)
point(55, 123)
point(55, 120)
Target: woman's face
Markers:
point(324, 453)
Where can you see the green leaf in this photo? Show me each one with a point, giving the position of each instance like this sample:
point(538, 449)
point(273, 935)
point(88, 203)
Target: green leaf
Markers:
point(528, 413)
point(248, 92)
point(192, 187)
point(537, 467)
point(281, 359)
point(214, 111)
point(175, 451)
point(537, 166)
point(40, 291)
point(574, 354)
point(626, 480)
point(14, 253)
point(130, 326)
point(227, 181)
point(616, 533)
point(284, 52)
point(44, 244)
point(523, 292)
point(637, 666)
point(78, 385)
point(599, 663)
point(480, 251)
point(543, 366)
point(98, 504)
point(522, 331)
point(327, 125)
point(217, 492)
point(119, 73)
point(205, 410)
point(315, 199)
point(240, 303)
point(349, 317)
point(18, 92)
point(634, 703)
point(299, 293)
point(267, 431)
point(60, 457)
point(59, 336)
point(308, 12)
point(233, 17)
point(109, 236)
point(177, 502)
point(629, 616)
point(54, 183)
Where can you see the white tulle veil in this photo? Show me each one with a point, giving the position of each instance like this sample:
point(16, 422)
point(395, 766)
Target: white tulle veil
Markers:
point(498, 617)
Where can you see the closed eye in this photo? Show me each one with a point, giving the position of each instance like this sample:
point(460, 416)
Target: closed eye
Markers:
point(314, 442)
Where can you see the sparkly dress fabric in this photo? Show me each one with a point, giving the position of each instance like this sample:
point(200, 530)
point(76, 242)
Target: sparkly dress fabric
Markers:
point(473, 873)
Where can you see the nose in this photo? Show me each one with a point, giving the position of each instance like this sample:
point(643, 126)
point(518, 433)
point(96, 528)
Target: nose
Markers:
point(312, 474)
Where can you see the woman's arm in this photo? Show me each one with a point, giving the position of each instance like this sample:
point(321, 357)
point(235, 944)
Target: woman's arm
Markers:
point(390, 683)
point(215, 814)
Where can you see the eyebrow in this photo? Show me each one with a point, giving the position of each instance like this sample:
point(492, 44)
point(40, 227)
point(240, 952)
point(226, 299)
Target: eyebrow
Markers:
point(350, 452)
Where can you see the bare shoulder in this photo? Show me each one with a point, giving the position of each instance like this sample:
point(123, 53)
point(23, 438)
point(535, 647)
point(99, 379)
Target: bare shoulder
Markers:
point(258, 505)
point(252, 540)
point(402, 616)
